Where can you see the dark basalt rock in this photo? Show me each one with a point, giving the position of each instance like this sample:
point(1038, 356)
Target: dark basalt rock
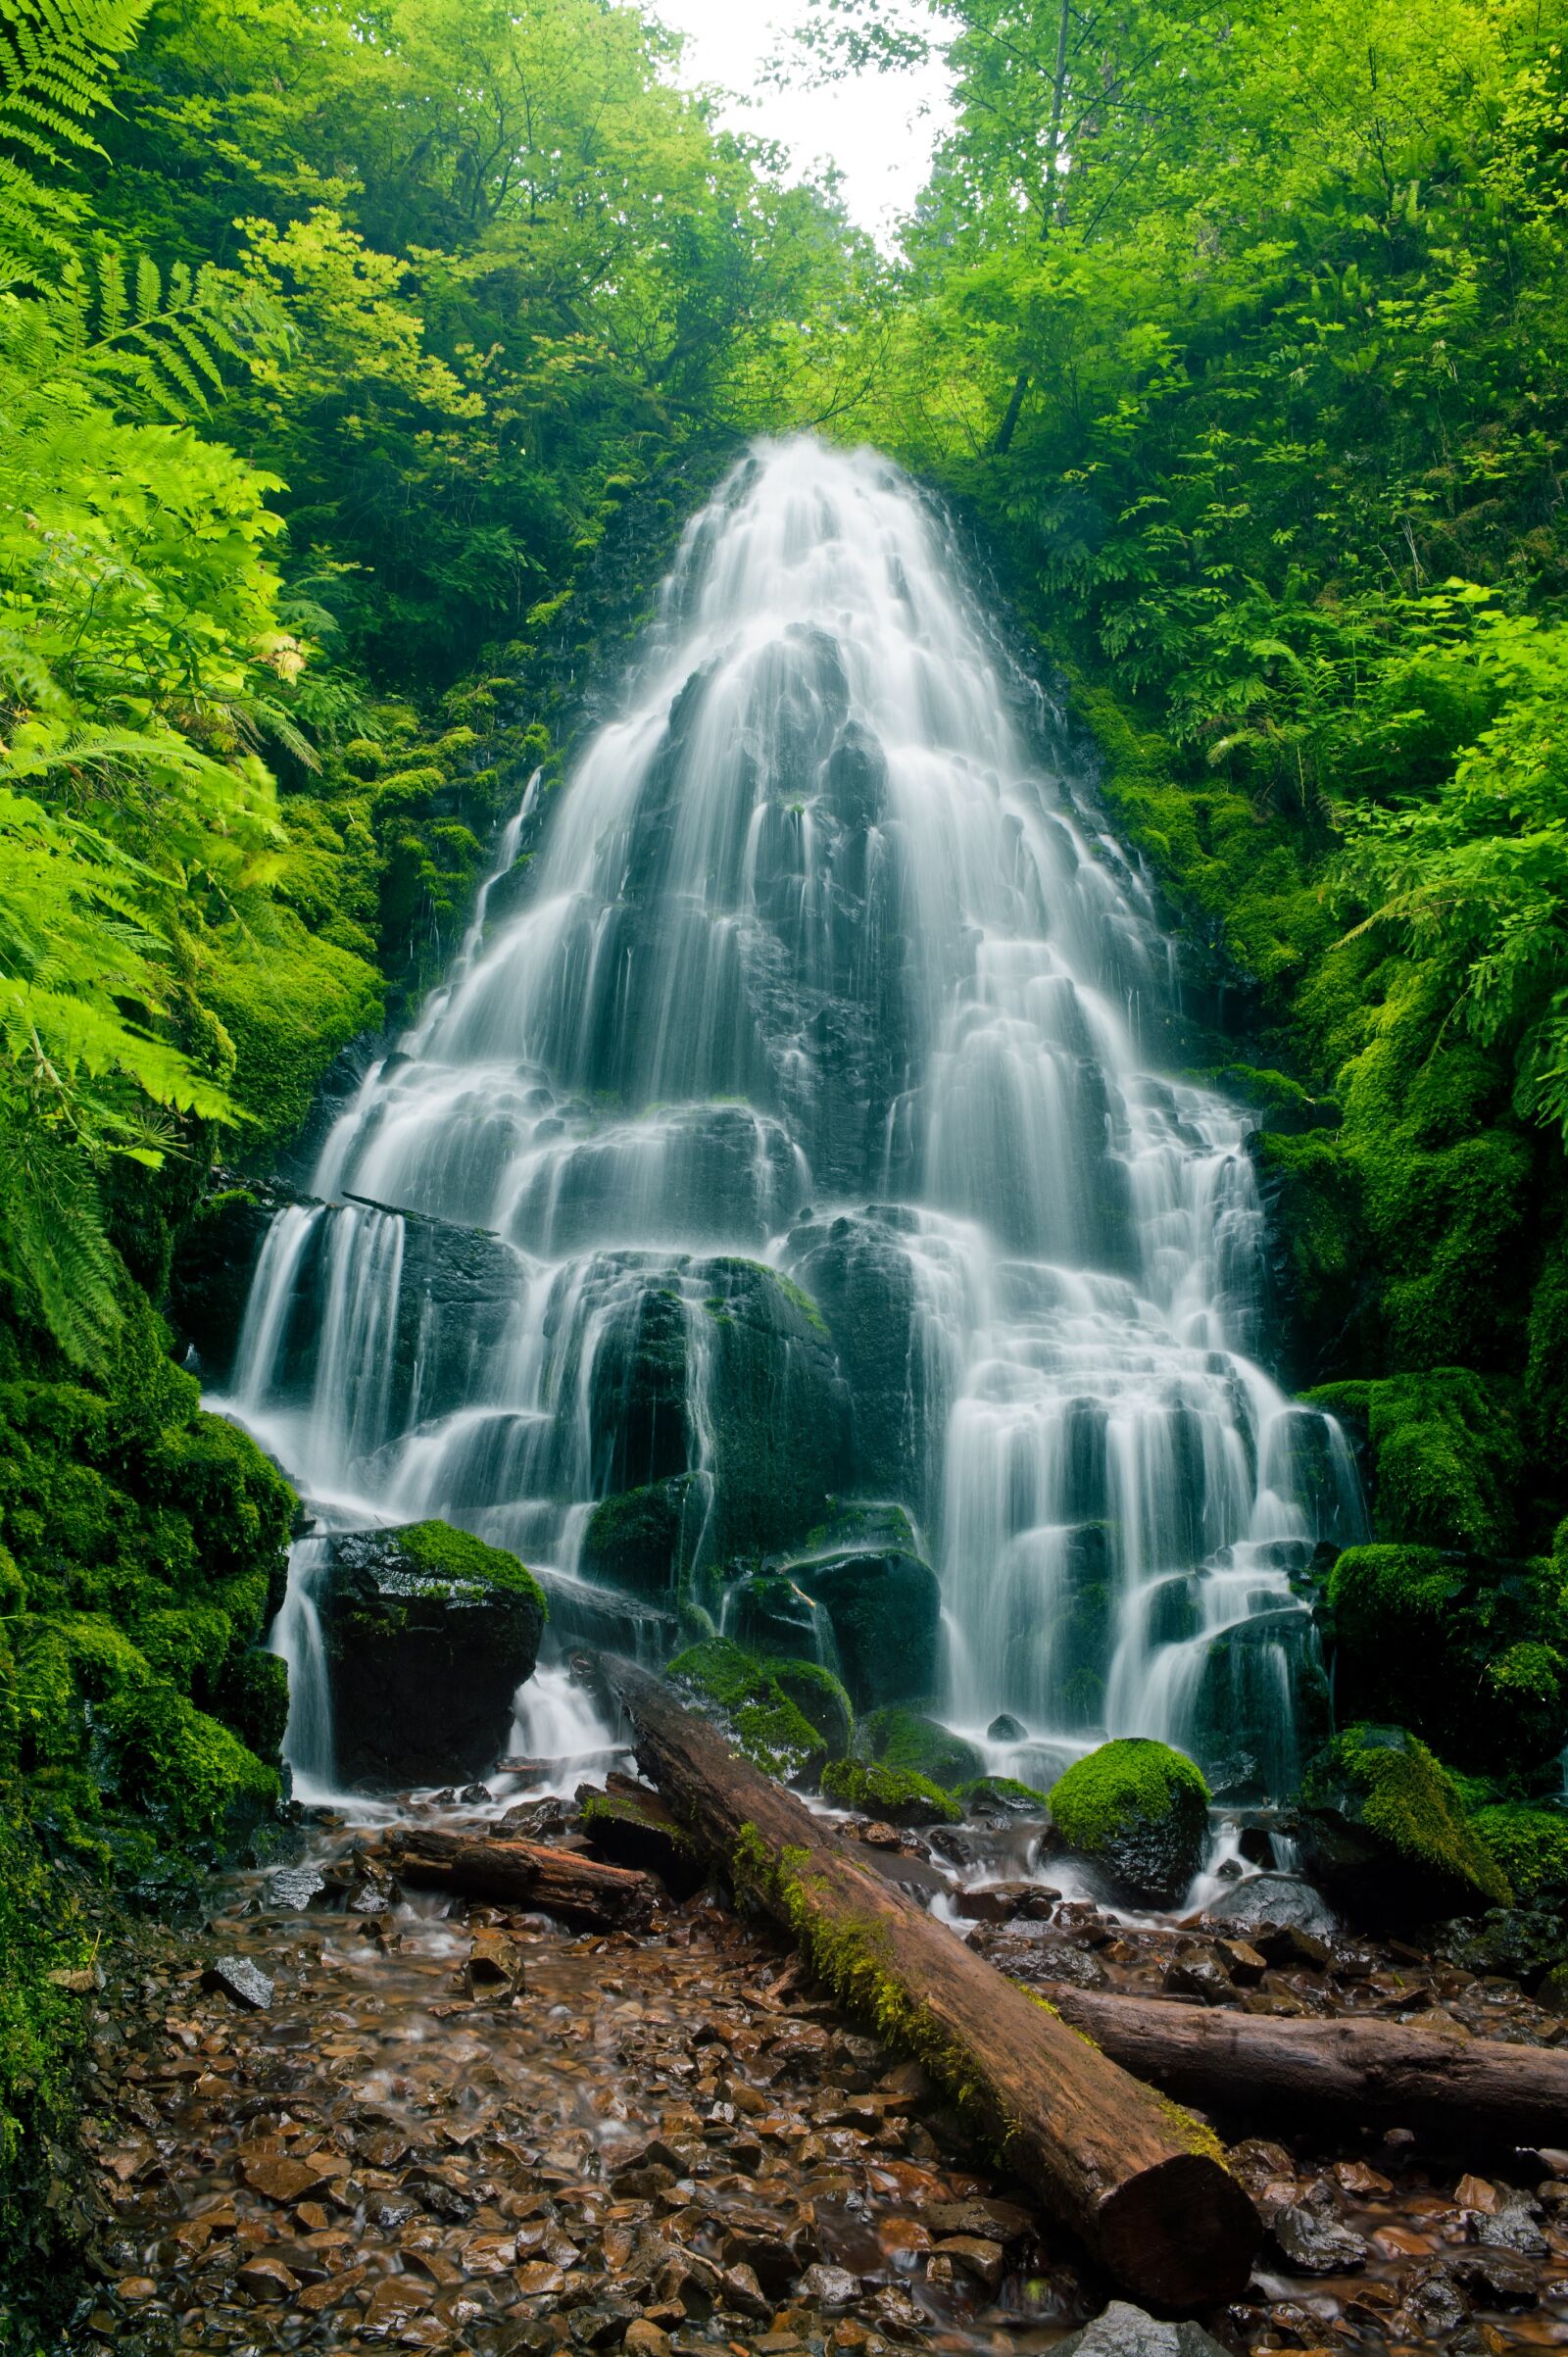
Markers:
point(426, 1645)
point(885, 1611)
point(1274, 1898)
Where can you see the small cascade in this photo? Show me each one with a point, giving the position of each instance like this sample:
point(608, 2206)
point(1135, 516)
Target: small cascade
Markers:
point(796, 1146)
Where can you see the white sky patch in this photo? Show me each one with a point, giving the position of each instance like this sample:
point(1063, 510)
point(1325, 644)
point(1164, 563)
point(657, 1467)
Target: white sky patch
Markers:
point(879, 129)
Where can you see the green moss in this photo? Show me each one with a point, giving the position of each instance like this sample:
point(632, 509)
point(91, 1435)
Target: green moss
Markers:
point(448, 1555)
point(289, 1000)
point(903, 1739)
point(901, 1796)
point(1530, 1846)
point(635, 1538)
point(765, 1721)
point(1466, 1650)
point(1120, 1787)
point(717, 1671)
point(1399, 1792)
point(1006, 1790)
point(195, 1780)
point(1444, 1454)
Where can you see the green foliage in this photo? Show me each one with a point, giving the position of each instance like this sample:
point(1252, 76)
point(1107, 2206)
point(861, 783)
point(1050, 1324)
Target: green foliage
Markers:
point(1469, 1651)
point(1405, 1797)
point(1122, 1787)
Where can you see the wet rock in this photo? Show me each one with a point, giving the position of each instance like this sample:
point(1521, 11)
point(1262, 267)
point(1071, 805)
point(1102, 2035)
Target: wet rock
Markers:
point(1511, 2227)
point(830, 2287)
point(428, 1634)
point(1495, 2278)
point(740, 2290)
point(885, 1611)
point(977, 2256)
point(1006, 1729)
point(1196, 1972)
point(492, 1973)
point(243, 1981)
point(279, 2179)
point(1432, 2307)
point(1314, 2244)
point(1244, 1963)
point(1123, 2331)
point(295, 1887)
point(265, 2278)
point(645, 2339)
point(1278, 1899)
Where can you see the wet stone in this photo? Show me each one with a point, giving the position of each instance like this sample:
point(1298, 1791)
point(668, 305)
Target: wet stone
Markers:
point(242, 1980)
point(1315, 2245)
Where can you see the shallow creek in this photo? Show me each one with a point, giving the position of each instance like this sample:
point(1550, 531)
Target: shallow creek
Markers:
point(671, 2142)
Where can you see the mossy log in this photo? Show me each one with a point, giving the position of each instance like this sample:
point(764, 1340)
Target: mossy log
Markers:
point(1473, 2091)
point(523, 1874)
point(1140, 2181)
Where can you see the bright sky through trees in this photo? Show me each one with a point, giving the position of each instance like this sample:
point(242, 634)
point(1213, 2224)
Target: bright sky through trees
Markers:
point(872, 127)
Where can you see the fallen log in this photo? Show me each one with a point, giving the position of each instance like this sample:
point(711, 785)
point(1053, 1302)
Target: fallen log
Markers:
point(1362, 2072)
point(523, 1874)
point(1143, 2184)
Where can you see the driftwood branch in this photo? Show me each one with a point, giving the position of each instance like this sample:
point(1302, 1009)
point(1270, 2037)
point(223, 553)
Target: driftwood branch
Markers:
point(523, 1874)
point(1142, 2183)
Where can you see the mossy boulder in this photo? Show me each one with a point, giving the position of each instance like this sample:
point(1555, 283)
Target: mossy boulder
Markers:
point(769, 1614)
point(896, 1795)
point(639, 1539)
point(1462, 1648)
point(1001, 1796)
point(1442, 1452)
point(1383, 1831)
point(1139, 1812)
point(428, 1634)
point(903, 1738)
point(750, 1699)
point(1530, 1846)
point(820, 1698)
point(885, 1611)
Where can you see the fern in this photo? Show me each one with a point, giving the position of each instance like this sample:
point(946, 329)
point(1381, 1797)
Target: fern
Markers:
point(56, 61)
point(54, 1254)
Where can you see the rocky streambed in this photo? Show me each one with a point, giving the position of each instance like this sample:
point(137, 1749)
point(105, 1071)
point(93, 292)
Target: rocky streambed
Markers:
point(345, 2114)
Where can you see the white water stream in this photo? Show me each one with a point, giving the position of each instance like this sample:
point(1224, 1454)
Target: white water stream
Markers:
point(821, 950)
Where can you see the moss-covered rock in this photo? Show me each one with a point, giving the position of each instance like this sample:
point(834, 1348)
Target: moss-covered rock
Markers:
point(885, 1611)
point(1530, 1846)
point(751, 1703)
point(903, 1738)
point(896, 1795)
point(1385, 1831)
point(991, 1795)
point(1138, 1811)
point(639, 1539)
point(820, 1698)
point(429, 1632)
point(1463, 1650)
point(1442, 1455)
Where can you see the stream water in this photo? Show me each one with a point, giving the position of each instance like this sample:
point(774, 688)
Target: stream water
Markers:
point(807, 1126)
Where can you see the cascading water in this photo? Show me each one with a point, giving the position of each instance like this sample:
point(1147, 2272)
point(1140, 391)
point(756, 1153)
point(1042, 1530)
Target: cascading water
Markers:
point(793, 1146)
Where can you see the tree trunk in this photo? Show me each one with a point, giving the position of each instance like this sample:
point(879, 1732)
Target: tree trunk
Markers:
point(1143, 2184)
point(1360, 2072)
point(523, 1874)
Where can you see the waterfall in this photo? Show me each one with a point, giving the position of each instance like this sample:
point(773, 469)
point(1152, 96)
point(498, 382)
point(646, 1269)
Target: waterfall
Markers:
point(797, 1141)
